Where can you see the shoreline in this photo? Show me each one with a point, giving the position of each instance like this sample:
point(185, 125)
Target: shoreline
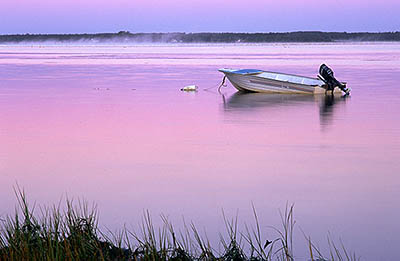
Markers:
point(125, 37)
point(210, 44)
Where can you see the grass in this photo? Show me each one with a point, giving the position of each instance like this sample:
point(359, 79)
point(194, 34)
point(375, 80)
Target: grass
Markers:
point(73, 234)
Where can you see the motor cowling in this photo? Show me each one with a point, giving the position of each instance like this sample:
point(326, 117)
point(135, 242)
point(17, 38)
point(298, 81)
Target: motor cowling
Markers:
point(326, 75)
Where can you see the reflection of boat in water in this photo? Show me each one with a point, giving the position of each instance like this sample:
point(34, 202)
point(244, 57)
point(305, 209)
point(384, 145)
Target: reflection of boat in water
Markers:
point(261, 102)
point(251, 100)
point(327, 107)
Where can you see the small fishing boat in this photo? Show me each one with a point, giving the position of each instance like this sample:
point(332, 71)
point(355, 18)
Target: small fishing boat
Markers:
point(273, 82)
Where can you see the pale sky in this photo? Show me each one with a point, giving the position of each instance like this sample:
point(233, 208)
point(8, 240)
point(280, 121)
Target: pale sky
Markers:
point(92, 16)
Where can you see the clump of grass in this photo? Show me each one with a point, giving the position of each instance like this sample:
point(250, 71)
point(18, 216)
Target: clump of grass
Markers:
point(69, 235)
point(73, 234)
point(336, 252)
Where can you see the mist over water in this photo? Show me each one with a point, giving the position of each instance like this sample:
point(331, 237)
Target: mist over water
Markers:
point(110, 124)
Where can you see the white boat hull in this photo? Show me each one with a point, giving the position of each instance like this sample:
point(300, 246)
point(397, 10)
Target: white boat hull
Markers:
point(261, 81)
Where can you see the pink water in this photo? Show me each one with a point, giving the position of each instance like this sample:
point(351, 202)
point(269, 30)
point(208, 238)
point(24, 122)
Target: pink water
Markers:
point(110, 124)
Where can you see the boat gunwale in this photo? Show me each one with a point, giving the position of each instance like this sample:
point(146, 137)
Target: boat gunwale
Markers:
point(261, 71)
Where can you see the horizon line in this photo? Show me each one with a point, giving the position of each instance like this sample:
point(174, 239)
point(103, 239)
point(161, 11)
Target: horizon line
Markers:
point(201, 32)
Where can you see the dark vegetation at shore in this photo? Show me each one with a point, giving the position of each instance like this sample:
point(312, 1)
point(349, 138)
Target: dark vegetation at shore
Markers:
point(127, 37)
point(73, 234)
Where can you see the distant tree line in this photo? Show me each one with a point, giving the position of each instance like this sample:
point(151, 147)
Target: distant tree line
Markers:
point(126, 37)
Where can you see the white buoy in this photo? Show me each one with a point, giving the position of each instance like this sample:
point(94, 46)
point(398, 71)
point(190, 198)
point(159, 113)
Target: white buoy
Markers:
point(189, 88)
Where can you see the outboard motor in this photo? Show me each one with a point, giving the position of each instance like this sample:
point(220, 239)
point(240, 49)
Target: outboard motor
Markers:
point(326, 75)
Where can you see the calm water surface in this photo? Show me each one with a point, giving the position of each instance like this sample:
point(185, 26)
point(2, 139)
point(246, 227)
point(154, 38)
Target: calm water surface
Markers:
point(109, 124)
